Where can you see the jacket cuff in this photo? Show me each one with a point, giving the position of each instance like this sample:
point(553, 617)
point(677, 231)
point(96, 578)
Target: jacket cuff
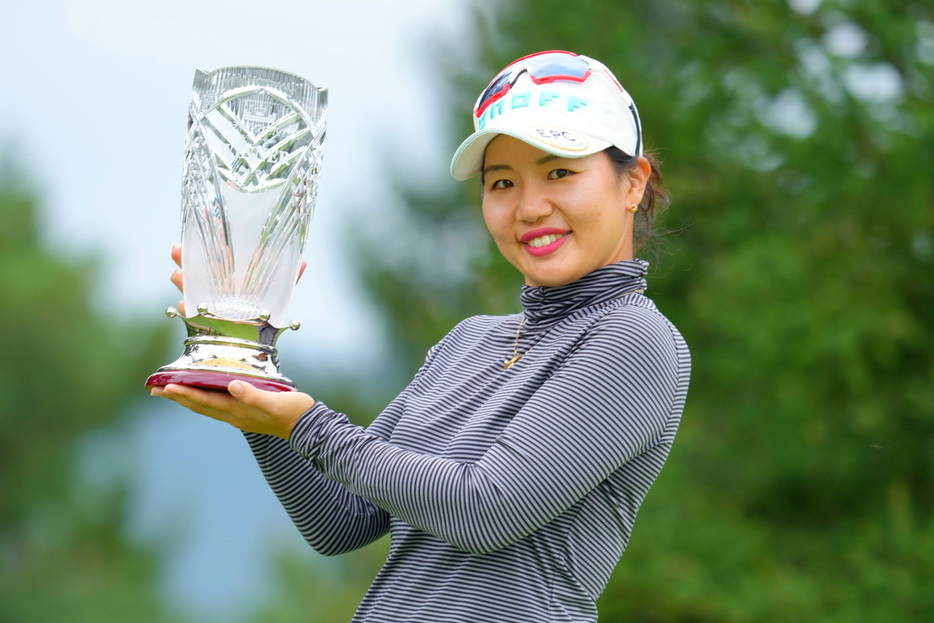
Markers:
point(303, 439)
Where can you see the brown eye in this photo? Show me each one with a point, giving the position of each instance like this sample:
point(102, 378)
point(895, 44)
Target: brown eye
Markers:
point(557, 174)
point(500, 184)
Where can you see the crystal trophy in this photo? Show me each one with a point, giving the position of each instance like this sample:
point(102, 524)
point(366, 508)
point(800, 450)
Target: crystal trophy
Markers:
point(252, 164)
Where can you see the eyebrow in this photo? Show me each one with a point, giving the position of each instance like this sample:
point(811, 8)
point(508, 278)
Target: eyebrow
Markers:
point(495, 167)
point(505, 167)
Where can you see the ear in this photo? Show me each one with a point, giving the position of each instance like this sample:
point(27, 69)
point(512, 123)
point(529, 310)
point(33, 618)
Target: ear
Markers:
point(638, 177)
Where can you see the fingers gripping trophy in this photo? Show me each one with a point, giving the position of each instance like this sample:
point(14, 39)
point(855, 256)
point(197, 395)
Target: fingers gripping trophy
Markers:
point(252, 164)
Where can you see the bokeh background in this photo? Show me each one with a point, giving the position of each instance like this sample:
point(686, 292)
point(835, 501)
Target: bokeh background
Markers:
point(797, 257)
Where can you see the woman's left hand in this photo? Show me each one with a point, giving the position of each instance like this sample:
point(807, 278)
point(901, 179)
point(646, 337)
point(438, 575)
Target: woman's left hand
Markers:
point(243, 406)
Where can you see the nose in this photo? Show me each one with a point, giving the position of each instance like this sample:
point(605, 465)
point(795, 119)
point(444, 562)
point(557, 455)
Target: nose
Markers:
point(534, 204)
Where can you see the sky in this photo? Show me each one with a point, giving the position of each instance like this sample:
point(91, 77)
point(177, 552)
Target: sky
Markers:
point(93, 106)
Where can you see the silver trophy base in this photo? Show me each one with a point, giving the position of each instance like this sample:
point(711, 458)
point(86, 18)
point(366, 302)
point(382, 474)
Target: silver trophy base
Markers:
point(219, 351)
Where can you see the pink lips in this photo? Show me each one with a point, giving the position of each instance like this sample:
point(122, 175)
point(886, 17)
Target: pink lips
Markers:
point(548, 248)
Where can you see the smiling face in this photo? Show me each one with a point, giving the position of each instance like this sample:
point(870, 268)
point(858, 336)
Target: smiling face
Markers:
point(557, 219)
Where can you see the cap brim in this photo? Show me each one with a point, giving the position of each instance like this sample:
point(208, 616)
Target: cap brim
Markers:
point(468, 159)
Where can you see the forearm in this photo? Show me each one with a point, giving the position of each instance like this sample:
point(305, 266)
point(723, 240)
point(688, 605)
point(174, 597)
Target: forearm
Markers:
point(330, 518)
point(478, 507)
point(453, 501)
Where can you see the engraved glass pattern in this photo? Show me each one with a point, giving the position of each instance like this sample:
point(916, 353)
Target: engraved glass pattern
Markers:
point(252, 163)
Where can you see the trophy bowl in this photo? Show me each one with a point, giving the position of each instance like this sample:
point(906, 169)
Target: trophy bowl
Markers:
point(252, 162)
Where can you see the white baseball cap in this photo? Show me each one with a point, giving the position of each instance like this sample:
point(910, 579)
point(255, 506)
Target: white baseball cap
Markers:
point(563, 103)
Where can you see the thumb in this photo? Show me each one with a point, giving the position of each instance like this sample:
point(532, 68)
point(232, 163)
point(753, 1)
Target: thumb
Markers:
point(244, 392)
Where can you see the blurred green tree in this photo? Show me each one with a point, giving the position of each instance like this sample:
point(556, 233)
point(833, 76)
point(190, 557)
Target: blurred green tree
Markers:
point(798, 140)
point(66, 370)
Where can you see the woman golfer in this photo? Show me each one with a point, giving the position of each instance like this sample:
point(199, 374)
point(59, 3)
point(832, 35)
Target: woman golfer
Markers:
point(510, 470)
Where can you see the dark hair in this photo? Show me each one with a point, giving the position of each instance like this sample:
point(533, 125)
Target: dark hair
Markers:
point(654, 201)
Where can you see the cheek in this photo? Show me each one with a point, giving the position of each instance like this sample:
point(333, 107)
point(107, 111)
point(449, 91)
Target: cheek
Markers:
point(495, 219)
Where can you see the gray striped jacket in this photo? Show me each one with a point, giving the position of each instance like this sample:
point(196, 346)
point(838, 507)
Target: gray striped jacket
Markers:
point(510, 494)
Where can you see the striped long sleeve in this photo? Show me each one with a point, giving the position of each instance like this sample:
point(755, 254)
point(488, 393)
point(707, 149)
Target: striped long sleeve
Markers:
point(591, 416)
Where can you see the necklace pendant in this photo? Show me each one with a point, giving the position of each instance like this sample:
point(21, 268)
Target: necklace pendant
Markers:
point(508, 364)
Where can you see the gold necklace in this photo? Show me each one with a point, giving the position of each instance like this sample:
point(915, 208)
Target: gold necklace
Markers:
point(515, 347)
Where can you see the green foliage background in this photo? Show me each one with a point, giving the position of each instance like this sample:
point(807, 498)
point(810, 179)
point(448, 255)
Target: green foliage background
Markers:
point(798, 146)
point(62, 552)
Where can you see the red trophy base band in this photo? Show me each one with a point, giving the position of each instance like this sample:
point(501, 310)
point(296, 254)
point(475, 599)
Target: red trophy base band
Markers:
point(214, 380)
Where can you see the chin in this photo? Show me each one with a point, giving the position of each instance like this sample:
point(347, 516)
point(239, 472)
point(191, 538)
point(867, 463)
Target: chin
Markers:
point(551, 279)
point(559, 274)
